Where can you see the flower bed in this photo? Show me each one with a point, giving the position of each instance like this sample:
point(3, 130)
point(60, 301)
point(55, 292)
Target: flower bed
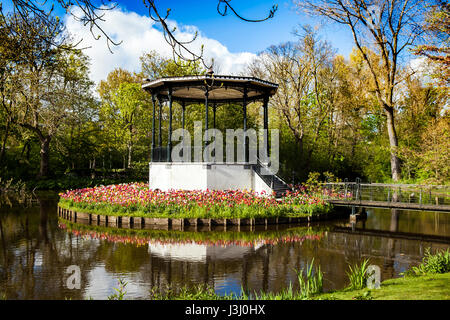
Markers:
point(136, 199)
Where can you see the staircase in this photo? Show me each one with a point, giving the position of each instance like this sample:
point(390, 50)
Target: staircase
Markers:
point(272, 180)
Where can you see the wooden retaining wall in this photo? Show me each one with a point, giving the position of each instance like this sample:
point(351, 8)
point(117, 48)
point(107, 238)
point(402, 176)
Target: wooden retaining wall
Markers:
point(179, 224)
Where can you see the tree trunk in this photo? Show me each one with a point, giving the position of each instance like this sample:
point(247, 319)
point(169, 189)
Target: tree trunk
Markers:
point(393, 142)
point(130, 149)
point(45, 157)
point(130, 145)
point(5, 138)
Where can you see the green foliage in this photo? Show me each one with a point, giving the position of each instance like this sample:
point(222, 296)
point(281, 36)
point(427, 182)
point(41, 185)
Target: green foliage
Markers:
point(358, 275)
point(367, 295)
point(66, 183)
point(154, 66)
point(12, 185)
point(198, 292)
point(431, 264)
point(313, 183)
point(120, 292)
point(312, 283)
point(330, 122)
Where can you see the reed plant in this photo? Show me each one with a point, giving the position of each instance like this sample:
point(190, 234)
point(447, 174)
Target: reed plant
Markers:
point(312, 283)
point(358, 275)
point(120, 292)
point(197, 292)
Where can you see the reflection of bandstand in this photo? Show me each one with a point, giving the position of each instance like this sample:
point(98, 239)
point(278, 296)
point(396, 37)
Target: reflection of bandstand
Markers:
point(200, 252)
point(201, 174)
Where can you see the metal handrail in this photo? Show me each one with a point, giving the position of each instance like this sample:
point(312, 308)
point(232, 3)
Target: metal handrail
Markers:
point(257, 168)
point(388, 185)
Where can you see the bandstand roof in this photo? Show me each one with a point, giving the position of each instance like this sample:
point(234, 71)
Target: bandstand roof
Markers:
point(220, 88)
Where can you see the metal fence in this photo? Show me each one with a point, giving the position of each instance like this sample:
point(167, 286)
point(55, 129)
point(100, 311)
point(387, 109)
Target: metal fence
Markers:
point(406, 193)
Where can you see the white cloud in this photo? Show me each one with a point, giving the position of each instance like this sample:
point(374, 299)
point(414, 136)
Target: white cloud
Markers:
point(139, 35)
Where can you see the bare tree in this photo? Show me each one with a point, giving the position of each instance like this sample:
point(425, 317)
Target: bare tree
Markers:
point(436, 48)
point(388, 27)
point(92, 13)
point(305, 74)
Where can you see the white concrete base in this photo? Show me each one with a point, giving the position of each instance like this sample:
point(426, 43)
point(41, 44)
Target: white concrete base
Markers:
point(201, 176)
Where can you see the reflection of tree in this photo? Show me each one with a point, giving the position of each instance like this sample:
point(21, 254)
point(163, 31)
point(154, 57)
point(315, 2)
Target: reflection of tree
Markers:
point(391, 252)
point(120, 257)
point(35, 254)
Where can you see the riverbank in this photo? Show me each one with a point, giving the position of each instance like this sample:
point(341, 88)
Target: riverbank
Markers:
point(137, 200)
point(426, 287)
point(427, 281)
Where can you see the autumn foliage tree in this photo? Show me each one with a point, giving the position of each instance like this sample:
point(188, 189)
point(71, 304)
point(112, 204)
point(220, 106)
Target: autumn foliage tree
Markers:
point(390, 27)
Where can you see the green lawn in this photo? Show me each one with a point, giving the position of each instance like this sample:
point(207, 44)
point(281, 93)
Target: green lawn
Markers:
point(428, 287)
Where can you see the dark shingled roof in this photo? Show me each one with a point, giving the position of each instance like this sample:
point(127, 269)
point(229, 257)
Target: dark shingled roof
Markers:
point(220, 88)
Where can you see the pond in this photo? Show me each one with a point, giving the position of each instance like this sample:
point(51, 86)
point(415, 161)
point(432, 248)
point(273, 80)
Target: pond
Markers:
point(37, 247)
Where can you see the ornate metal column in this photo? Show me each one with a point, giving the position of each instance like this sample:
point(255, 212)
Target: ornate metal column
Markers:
point(169, 136)
point(214, 114)
point(152, 157)
point(206, 117)
point(214, 126)
point(266, 124)
point(160, 119)
point(183, 110)
point(244, 105)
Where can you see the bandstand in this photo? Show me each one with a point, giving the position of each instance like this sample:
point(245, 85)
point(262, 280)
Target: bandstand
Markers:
point(198, 173)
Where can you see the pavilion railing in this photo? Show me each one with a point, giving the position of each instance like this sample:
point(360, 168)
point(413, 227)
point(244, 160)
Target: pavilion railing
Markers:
point(160, 154)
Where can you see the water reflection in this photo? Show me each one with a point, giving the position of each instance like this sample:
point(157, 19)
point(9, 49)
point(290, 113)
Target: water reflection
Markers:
point(36, 248)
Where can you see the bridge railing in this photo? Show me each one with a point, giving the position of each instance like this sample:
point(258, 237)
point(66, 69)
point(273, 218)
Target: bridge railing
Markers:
point(420, 194)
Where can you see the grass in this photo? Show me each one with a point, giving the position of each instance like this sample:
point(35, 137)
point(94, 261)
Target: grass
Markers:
point(427, 287)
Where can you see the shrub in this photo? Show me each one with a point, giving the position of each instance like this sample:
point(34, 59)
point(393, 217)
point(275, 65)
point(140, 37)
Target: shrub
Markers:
point(432, 264)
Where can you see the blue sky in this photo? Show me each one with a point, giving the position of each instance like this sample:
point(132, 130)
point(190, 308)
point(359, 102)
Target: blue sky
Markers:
point(238, 35)
point(232, 42)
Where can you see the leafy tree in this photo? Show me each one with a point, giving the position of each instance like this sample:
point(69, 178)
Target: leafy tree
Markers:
point(129, 99)
point(43, 82)
point(391, 27)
